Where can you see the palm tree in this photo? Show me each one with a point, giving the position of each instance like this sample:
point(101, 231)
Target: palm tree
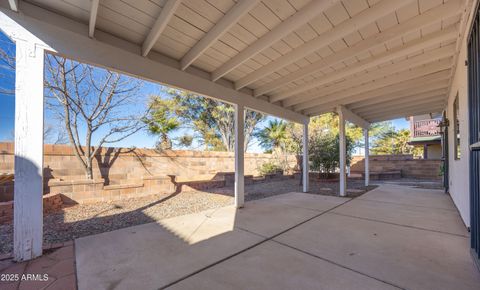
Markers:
point(162, 121)
point(273, 136)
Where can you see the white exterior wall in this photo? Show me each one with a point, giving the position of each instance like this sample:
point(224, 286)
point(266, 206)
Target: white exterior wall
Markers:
point(459, 169)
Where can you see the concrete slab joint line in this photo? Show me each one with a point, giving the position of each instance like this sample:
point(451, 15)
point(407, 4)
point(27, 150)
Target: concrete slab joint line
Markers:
point(251, 247)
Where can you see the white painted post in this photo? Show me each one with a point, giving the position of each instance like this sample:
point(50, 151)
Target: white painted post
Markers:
point(239, 154)
point(343, 153)
point(28, 190)
point(305, 157)
point(367, 154)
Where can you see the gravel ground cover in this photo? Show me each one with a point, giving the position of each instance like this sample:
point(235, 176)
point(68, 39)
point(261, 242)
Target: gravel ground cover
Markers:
point(89, 219)
point(266, 189)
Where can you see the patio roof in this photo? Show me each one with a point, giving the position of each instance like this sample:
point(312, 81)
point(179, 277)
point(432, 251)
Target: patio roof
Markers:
point(290, 59)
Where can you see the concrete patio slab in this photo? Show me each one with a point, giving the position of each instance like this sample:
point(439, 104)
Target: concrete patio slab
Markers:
point(181, 245)
point(308, 201)
point(287, 241)
point(436, 219)
point(407, 257)
point(271, 216)
point(153, 255)
point(267, 219)
point(274, 266)
point(408, 195)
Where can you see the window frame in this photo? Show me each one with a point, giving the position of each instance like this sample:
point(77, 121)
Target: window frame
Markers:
point(456, 129)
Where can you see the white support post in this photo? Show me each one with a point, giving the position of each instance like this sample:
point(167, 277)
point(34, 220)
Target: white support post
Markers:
point(305, 158)
point(343, 153)
point(367, 154)
point(239, 154)
point(28, 190)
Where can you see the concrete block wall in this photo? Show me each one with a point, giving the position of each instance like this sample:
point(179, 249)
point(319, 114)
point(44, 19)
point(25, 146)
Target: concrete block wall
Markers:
point(122, 172)
point(406, 164)
point(116, 165)
point(51, 202)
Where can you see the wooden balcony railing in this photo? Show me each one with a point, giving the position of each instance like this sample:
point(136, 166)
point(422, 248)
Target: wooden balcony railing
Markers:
point(426, 128)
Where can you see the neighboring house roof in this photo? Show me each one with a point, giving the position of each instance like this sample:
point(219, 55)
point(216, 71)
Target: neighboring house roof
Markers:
point(429, 139)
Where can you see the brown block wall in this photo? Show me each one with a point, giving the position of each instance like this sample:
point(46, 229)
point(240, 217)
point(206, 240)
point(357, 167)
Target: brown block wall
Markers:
point(119, 164)
point(134, 171)
point(51, 202)
point(406, 164)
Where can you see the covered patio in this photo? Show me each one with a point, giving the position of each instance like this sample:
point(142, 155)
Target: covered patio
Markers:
point(368, 61)
point(394, 237)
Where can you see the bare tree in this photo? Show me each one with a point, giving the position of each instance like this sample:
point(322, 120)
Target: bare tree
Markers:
point(93, 103)
point(55, 134)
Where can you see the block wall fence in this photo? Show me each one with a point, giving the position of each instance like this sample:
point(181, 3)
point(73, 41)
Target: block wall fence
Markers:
point(405, 164)
point(122, 173)
point(133, 172)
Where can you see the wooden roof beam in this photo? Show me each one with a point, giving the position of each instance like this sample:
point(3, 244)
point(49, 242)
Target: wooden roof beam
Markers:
point(343, 29)
point(416, 61)
point(401, 51)
point(13, 5)
point(304, 15)
point(407, 113)
point(435, 89)
point(433, 95)
point(433, 15)
point(352, 117)
point(423, 88)
point(425, 105)
point(431, 68)
point(93, 17)
point(428, 82)
point(220, 28)
point(166, 14)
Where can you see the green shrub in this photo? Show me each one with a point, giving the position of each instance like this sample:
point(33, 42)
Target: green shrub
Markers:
point(269, 168)
point(325, 153)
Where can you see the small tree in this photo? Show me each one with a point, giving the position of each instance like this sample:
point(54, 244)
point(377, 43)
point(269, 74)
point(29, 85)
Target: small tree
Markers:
point(212, 121)
point(324, 152)
point(393, 142)
point(273, 136)
point(92, 102)
point(162, 120)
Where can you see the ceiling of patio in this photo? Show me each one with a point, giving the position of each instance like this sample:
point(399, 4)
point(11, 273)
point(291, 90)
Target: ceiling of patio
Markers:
point(381, 59)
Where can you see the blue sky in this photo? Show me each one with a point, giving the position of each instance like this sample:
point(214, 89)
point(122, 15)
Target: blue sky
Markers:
point(401, 124)
point(7, 81)
point(140, 139)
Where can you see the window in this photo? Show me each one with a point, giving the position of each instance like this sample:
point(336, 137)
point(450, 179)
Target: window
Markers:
point(456, 129)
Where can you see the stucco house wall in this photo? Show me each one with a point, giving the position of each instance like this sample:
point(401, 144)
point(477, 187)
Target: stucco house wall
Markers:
point(459, 182)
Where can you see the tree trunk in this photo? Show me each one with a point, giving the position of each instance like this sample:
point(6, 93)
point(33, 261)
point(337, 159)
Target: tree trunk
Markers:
point(88, 169)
